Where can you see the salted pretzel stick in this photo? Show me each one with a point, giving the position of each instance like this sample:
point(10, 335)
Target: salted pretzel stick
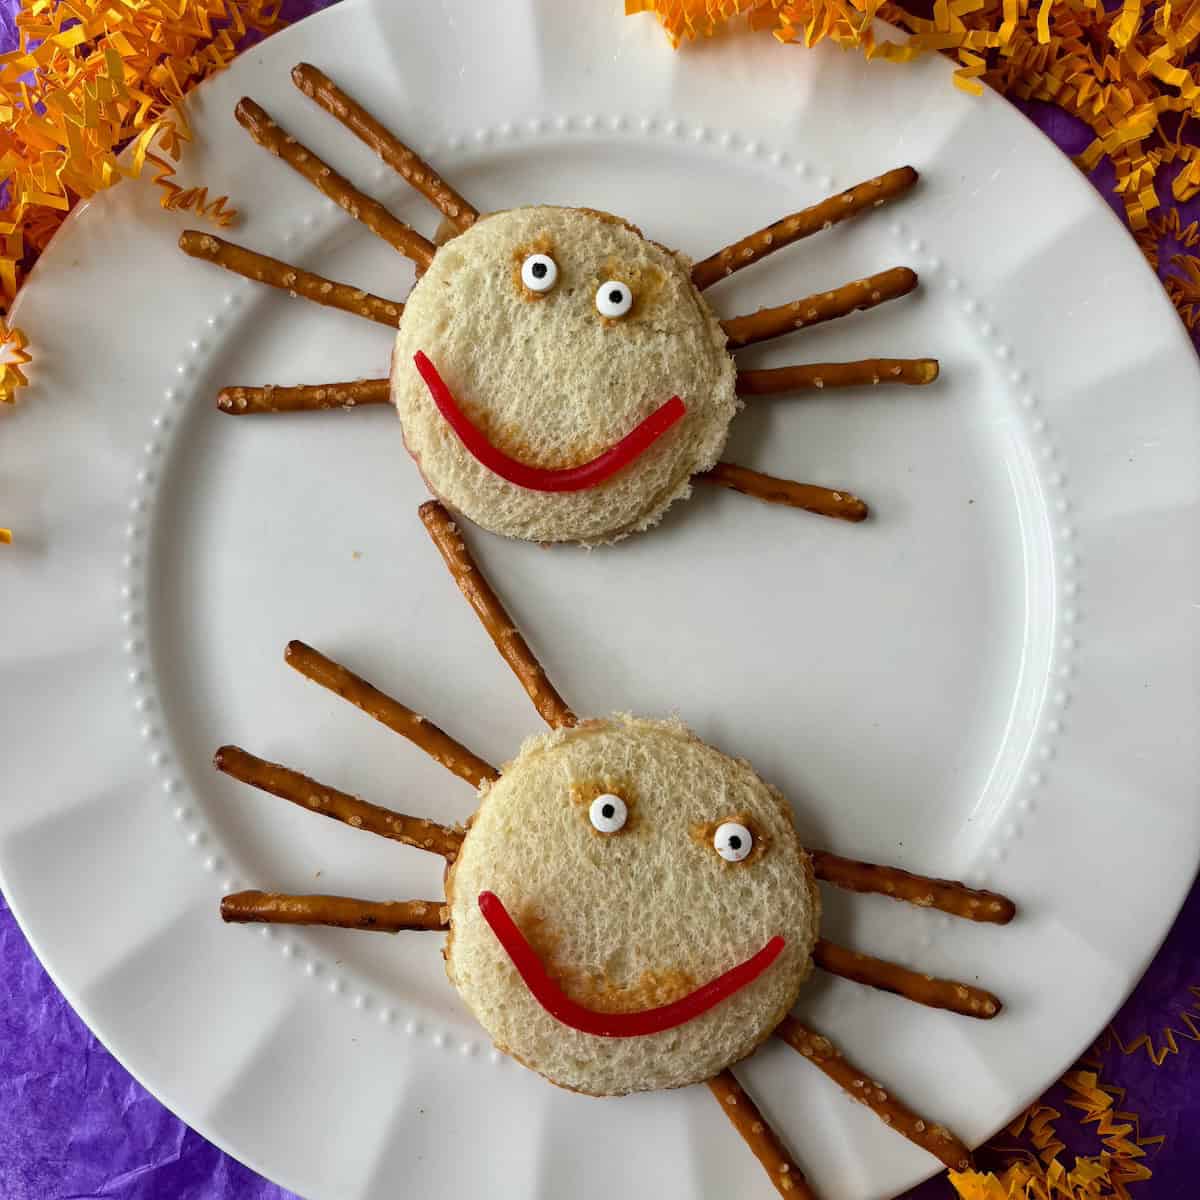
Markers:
point(763, 1141)
point(339, 806)
point(871, 194)
point(819, 308)
point(258, 123)
point(438, 744)
point(962, 998)
point(820, 1051)
point(316, 85)
point(825, 502)
point(342, 912)
point(507, 637)
point(945, 894)
point(914, 371)
point(274, 273)
point(243, 401)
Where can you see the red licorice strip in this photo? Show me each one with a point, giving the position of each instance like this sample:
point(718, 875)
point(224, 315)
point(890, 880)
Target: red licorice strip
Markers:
point(542, 479)
point(615, 1024)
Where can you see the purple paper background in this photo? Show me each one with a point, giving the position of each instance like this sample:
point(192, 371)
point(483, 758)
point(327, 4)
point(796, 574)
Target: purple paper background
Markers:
point(74, 1125)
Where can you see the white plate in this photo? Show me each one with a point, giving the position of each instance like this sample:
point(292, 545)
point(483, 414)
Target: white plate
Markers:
point(990, 680)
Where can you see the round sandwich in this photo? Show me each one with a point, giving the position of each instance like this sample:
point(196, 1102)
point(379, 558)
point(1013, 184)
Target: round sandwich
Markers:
point(559, 377)
point(618, 877)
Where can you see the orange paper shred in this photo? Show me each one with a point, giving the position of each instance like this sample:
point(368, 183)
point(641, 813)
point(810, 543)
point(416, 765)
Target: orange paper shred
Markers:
point(1036, 1170)
point(1166, 227)
point(1186, 1028)
point(13, 356)
point(93, 78)
point(1183, 286)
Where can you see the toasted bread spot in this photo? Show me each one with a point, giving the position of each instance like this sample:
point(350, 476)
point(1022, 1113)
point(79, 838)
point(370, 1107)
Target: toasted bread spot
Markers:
point(583, 793)
point(645, 282)
point(649, 990)
point(598, 989)
point(522, 444)
point(542, 244)
point(704, 832)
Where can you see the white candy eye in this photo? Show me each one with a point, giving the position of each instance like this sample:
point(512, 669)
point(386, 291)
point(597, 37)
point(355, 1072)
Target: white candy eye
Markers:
point(614, 299)
point(608, 813)
point(733, 842)
point(539, 272)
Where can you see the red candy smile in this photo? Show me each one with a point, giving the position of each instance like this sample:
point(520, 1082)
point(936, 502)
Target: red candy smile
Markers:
point(541, 479)
point(616, 1024)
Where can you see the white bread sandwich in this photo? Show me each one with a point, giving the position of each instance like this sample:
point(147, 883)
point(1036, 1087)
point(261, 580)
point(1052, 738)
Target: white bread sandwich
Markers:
point(550, 381)
point(640, 864)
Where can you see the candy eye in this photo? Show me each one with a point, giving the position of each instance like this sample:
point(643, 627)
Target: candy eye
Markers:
point(608, 813)
point(733, 842)
point(539, 272)
point(613, 299)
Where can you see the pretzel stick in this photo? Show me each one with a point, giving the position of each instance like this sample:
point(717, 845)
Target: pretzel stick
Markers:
point(243, 401)
point(505, 635)
point(342, 912)
point(438, 744)
point(763, 1141)
point(316, 85)
point(819, 308)
point(962, 998)
point(274, 273)
point(820, 1051)
point(340, 806)
point(914, 371)
point(258, 123)
point(871, 194)
point(945, 894)
point(825, 502)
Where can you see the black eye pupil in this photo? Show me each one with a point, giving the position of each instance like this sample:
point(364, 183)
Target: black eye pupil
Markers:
point(616, 296)
point(735, 842)
point(608, 812)
point(538, 270)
